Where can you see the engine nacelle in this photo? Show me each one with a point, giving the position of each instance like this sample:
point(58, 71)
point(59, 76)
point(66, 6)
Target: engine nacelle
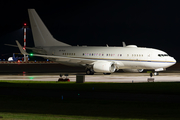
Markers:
point(133, 70)
point(104, 67)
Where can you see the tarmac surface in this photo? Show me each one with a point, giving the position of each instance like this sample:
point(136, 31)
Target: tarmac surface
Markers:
point(27, 99)
point(51, 72)
point(115, 77)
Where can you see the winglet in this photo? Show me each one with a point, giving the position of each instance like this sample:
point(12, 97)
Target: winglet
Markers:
point(21, 48)
point(124, 44)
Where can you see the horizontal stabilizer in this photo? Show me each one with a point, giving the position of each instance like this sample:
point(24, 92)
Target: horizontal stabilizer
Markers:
point(21, 48)
point(30, 48)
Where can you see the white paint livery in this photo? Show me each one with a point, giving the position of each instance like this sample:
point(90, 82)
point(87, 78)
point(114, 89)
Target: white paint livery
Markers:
point(95, 59)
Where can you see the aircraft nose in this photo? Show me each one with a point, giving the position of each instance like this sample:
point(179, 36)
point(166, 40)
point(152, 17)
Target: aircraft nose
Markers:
point(170, 62)
point(173, 61)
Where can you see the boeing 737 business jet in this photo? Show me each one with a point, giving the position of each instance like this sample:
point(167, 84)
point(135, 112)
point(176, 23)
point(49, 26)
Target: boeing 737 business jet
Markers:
point(95, 59)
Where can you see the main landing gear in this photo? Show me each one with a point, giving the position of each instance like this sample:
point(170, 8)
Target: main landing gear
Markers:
point(89, 71)
point(64, 79)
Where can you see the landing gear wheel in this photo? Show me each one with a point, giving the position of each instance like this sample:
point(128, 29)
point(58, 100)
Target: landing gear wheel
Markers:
point(156, 73)
point(89, 72)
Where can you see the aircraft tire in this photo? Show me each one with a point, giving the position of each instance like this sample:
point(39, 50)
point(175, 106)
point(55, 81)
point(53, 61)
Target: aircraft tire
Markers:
point(89, 72)
point(156, 73)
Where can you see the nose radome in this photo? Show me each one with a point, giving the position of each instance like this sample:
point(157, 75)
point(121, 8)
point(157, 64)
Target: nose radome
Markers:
point(173, 61)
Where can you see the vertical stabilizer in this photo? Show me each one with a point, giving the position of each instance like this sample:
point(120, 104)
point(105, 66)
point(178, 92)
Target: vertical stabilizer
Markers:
point(41, 35)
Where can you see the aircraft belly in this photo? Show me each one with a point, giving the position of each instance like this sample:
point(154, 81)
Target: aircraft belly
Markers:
point(63, 59)
point(155, 65)
point(75, 61)
point(133, 64)
point(68, 63)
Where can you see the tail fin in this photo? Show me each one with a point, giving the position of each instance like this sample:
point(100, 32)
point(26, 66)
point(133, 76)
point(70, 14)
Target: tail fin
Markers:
point(42, 36)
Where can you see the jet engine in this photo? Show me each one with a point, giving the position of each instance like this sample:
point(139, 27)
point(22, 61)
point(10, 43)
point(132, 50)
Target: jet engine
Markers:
point(104, 67)
point(133, 70)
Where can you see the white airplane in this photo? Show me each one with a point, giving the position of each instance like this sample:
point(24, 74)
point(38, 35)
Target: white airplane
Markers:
point(95, 59)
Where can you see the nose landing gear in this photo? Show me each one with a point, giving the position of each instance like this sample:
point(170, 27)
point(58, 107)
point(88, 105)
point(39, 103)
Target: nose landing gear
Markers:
point(151, 74)
point(155, 73)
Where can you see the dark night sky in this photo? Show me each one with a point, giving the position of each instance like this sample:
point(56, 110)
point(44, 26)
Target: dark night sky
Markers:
point(146, 23)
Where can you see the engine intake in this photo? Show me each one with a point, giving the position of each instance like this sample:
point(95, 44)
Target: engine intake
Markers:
point(104, 67)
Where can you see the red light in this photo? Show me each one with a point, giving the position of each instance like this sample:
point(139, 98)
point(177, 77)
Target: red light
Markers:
point(24, 48)
point(24, 24)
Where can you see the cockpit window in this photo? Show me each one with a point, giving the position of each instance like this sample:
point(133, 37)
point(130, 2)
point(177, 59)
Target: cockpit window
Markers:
point(162, 55)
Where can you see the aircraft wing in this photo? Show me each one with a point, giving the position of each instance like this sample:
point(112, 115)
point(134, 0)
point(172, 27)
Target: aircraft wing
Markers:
point(58, 58)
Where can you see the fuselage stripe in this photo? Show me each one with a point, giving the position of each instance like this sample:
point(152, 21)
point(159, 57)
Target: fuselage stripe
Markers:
point(127, 60)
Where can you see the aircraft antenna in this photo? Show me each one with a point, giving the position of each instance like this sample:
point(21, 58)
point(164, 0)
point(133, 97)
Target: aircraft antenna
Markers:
point(124, 44)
